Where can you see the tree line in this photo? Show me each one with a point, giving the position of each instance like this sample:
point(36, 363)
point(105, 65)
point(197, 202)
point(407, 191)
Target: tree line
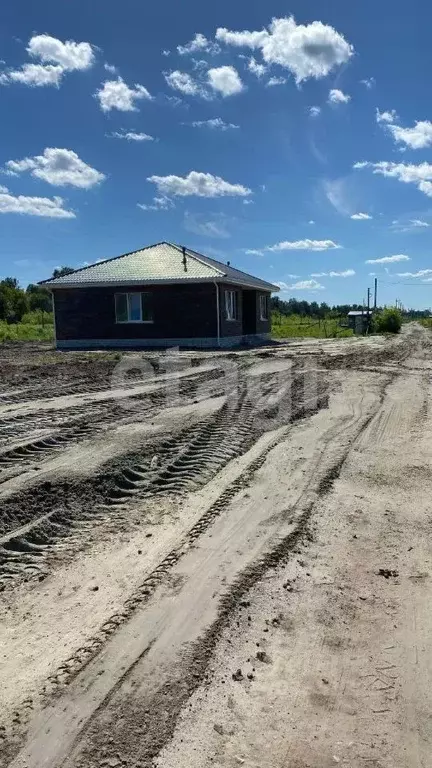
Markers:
point(15, 301)
point(311, 309)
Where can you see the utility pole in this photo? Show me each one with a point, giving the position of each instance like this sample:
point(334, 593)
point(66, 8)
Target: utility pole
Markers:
point(368, 300)
point(368, 310)
point(376, 293)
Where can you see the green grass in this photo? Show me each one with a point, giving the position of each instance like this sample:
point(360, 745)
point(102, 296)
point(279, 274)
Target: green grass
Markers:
point(25, 332)
point(295, 326)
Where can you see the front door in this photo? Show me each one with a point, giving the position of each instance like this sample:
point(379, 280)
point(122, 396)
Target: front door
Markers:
point(249, 312)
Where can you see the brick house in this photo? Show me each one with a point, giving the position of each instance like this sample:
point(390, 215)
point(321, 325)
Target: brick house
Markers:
point(160, 296)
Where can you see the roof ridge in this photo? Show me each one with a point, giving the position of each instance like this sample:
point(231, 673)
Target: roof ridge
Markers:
point(106, 261)
point(196, 255)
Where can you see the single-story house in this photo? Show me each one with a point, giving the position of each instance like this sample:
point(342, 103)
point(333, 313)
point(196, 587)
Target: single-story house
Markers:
point(160, 296)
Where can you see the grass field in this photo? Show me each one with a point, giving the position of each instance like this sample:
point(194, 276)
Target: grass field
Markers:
point(292, 326)
point(35, 326)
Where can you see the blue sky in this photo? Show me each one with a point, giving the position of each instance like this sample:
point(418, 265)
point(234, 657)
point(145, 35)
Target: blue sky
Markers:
point(128, 123)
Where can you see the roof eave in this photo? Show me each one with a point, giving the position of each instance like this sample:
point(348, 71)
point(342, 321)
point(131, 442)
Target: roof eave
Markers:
point(263, 286)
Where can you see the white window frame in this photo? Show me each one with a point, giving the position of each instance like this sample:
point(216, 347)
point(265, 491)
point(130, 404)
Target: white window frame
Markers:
point(231, 305)
point(128, 299)
point(264, 306)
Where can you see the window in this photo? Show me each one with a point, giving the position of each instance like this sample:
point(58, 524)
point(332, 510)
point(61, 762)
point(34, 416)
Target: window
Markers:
point(134, 307)
point(231, 305)
point(263, 300)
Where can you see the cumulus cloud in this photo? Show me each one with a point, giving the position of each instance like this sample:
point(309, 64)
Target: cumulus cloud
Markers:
point(314, 111)
point(60, 167)
point(345, 273)
point(198, 43)
point(199, 185)
point(368, 82)
point(215, 225)
point(276, 81)
point(111, 68)
point(310, 50)
point(417, 137)
point(161, 203)
point(420, 273)
point(225, 80)
point(303, 245)
point(33, 206)
point(386, 117)
point(69, 55)
point(361, 216)
point(116, 94)
point(130, 136)
point(258, 70)
point(388, 259)
point(338, 97)
point(302, 285)
point(34, 75)
point(56, 58)
point(215, 123)
point(253, 252)
point(183, 82)
point(420, 175)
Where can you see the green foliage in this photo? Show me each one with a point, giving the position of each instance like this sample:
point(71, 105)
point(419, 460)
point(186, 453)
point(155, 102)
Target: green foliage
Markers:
point(293, 326)
point(39, 298)
point(25, 332)
point(60, 271)
point(389, 320)
point(310, 309)
point(13, 301)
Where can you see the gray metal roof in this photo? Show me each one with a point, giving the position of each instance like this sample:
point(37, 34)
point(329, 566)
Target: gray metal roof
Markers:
point(159, 263)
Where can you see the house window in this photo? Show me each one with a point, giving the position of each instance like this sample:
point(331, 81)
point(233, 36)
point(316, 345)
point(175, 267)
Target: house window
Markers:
point(231, 305)
point(263, 307)
point(133, 307)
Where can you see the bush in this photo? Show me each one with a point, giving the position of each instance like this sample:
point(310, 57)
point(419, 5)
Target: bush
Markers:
point(387, 321)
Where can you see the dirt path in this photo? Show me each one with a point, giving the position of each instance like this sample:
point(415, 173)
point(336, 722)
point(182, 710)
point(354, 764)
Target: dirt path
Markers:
point(278, 617)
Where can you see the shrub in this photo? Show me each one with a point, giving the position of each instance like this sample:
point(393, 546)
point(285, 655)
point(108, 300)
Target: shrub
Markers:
point(388, 321)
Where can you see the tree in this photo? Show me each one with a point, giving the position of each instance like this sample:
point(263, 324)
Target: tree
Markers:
point(39, 298)
point(13, 301)
point(389, 320)
point(61, 271)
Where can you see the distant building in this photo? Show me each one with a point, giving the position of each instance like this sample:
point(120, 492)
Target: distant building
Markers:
point(160, 296)
point(359, 320)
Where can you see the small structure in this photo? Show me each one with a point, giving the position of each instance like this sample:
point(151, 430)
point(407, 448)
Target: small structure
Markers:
point(160, 296)
point(359, 320)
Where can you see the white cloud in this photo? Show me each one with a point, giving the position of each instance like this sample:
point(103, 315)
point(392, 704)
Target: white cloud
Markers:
point(56, 57)
point(361, 216)
point(388, 259)
point(69, 55)
point(183, 82)
point(161, 203)
point(276, 81)
point(419, 223)
point(33, 206)
point(206, 226)
point(253, 252)
point(111, 69)
point(418, 137)
point(34, 75)
point(258, 70)
point(345, 273)
point(420, 175)
point(337, 193)
point(225, 80)
point(199, 43)
point(215, 123)
point(311, 221)
point(386, 117)
point(165, 52)
point(116, 94)
point(303, 245)
point(368, 82)
point(198, 184)
point(314, 111)
point(338, 97)
point(248, 202)
point(311, 50)
point(302, 285)
point(131, 136)
point(59, 167)
point(411, 226)
point(420, 273)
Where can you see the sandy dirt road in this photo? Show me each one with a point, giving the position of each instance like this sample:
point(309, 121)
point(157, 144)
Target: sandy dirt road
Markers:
point(259, 598)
